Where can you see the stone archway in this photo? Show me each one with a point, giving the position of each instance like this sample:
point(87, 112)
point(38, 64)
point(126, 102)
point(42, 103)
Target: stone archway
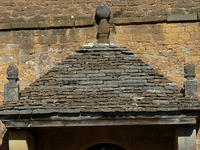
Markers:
point(105, 146)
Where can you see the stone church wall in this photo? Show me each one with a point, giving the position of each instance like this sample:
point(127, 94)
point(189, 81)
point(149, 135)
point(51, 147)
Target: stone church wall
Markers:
point(36, 35)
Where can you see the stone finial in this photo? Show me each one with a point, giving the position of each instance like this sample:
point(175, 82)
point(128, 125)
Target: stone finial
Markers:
point(11, 89)
point(103, 12)
point(12, 72)
point(102, 17)
point(191, 84)
point(189, 70)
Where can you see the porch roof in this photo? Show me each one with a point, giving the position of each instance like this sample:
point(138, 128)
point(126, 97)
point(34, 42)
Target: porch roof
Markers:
point(101, 78)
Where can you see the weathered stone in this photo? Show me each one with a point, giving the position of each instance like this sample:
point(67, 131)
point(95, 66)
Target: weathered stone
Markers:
point(189, 70)
point(191, 88)
point(61, 21)
point(102, 17)
point(5, 26)
point(11, 89)
point(98, 77)
point(150, 12)
point(12, 72)
point(24, 25)
point(182, 17)
point(103, 12)
point(191, 84)
point(167, 52)
point(84, 22)
point(136, 20)
point(198, 16)
point(103, 31)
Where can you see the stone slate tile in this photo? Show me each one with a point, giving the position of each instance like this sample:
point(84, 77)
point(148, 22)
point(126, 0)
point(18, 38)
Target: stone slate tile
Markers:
point(100, 79)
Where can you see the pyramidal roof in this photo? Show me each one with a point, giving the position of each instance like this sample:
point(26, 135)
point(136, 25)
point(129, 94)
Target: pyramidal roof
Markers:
point(101, 78)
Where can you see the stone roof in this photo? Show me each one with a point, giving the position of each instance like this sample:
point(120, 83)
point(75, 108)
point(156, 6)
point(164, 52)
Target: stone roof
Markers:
point(101, 79)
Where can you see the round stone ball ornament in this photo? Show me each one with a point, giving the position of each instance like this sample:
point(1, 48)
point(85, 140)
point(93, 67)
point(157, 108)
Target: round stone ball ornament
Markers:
point(12, 72)
point(103, 12)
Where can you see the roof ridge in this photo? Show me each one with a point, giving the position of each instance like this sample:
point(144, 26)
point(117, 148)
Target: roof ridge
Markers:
point(101, 47)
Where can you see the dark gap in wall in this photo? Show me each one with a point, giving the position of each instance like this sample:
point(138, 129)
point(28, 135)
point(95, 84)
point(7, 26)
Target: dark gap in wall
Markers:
point(46, 28)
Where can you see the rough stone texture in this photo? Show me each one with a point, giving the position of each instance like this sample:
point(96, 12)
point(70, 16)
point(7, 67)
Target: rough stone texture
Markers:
point(103, 12)
point(191, 84)
point(12, 72)
point(101, 78)
point(191, 88)
point(102, 17)
point(45, 13)
point(103, 31)
point(165, 46)
point(189, 70)
point(11, 89)
point(182, 17)
point(36, 51)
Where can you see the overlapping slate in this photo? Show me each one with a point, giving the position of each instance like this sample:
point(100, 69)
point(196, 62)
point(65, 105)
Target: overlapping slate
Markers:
point(101, 79)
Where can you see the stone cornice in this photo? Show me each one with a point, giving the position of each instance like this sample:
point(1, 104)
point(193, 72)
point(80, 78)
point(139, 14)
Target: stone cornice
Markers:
point(49, 22)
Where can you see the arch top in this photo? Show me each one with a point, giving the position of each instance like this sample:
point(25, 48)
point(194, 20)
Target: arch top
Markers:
point(105, 146)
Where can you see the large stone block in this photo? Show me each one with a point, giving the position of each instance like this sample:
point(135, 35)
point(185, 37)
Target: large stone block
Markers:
point(191, 88)
point(182, 17)
point(11, 92)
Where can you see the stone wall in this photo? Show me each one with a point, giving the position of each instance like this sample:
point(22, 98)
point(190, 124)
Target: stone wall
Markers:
point(46, 13)
point(36, 51)
point(165, 46)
